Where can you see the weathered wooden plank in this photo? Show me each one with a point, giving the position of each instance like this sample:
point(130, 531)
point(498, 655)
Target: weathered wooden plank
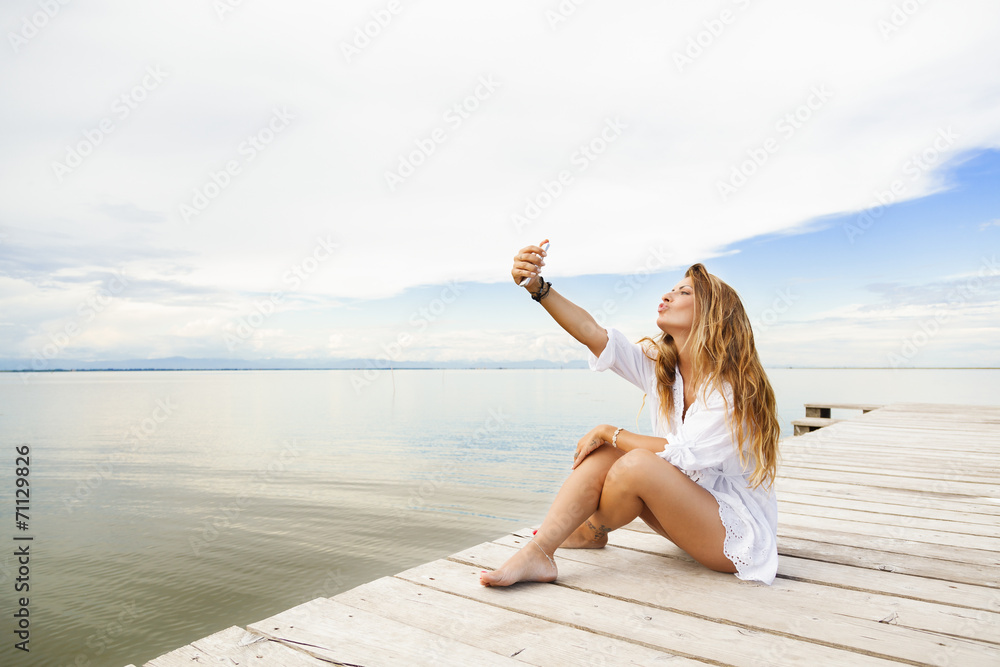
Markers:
point(789, 595)
point(875, 428)
point(881, 479)
point(882, 442)
point(816, 407)
point(685, 634)
point(877, 437)
point(930, 472)
point(977, 466)
point(872, 515)
point(671, 584)
point(971, 520)
point(914, 498)
point(812, 444)
point(185, 655)
point(809, 424)
point(835, 574)
point(878, 426)
point(339, 633)
point(821, 549)
point(826, 548)
point(822, 530)
point(236, 646)
point(532, 640)
point(949, 542)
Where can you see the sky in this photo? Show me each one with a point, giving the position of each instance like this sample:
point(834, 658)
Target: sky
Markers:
point(256, 179)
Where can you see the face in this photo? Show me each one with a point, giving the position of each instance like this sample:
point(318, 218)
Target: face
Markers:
point(676, 309)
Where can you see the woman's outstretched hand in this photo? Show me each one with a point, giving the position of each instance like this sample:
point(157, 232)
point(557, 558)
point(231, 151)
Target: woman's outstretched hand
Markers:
point(528, 262)
point(597, 436)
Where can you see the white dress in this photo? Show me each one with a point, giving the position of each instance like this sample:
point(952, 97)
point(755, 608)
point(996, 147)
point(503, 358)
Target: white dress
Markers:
point(701, 446)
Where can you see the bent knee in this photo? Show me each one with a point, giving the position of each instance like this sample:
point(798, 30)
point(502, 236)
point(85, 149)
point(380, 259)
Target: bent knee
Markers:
point(632, 464)
point(639, 466)
point(594, 469)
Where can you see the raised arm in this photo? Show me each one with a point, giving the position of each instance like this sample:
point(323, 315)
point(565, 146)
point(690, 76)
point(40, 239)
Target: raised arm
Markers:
point(577, 322)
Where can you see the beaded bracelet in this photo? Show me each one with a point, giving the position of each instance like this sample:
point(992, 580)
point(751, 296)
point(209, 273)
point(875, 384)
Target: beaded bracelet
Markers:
point(542, 291)
point(614, 438)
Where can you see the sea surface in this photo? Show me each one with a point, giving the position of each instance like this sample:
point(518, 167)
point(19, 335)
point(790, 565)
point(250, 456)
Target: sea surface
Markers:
point(166, 506)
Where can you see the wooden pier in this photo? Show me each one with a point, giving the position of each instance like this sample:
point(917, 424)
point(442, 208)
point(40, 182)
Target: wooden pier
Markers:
point(889, 542)
point(818, 415)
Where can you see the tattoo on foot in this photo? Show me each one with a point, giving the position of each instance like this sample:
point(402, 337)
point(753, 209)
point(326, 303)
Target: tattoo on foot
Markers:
point(599, 533)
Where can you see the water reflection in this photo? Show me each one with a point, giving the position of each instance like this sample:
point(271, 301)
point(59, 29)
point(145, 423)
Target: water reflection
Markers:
point(261, 490)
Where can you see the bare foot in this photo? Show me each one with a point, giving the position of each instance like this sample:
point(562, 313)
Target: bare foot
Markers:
point(528, 564)
point(586, 536)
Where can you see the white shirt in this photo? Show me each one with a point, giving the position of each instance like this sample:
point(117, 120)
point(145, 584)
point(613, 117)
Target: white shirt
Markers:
point(701, 446)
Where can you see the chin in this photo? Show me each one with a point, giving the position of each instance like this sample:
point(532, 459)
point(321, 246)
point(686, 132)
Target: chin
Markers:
point(669, 327)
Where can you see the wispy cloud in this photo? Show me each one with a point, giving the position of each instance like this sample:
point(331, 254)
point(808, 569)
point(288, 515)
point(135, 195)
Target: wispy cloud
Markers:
point(948, 321)
point(191, 120)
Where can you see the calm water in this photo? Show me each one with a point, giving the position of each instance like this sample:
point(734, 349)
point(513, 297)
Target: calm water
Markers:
point(169, 505)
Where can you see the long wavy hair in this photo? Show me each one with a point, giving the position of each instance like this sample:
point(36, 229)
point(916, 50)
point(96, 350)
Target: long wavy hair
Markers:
point(722, 351)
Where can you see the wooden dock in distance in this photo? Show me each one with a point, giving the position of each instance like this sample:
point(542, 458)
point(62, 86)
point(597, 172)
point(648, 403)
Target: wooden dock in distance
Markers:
point(818, 415)
point(889, 542)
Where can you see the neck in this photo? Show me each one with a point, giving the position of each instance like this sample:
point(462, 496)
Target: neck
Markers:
point(684, 361)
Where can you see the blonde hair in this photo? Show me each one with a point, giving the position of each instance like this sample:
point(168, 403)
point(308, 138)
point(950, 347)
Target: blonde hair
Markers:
point(723, 351)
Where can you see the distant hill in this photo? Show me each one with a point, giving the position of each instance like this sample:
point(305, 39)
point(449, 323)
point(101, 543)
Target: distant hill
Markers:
point(187, 364)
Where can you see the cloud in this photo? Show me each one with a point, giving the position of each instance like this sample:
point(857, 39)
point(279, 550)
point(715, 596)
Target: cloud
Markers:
point(976, 289)
point(611, 130)
point(951, 321)
point(130, 213)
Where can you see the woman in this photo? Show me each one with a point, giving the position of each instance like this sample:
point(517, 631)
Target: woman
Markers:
point(691, 483)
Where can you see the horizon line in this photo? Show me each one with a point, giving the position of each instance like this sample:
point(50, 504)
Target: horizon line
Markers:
point(466, 368)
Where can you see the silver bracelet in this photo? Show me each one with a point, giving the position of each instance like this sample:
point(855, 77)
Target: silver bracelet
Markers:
point(614, 438)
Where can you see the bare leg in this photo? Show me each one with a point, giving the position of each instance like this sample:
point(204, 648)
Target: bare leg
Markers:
point(686, 513)
point(576, 501)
